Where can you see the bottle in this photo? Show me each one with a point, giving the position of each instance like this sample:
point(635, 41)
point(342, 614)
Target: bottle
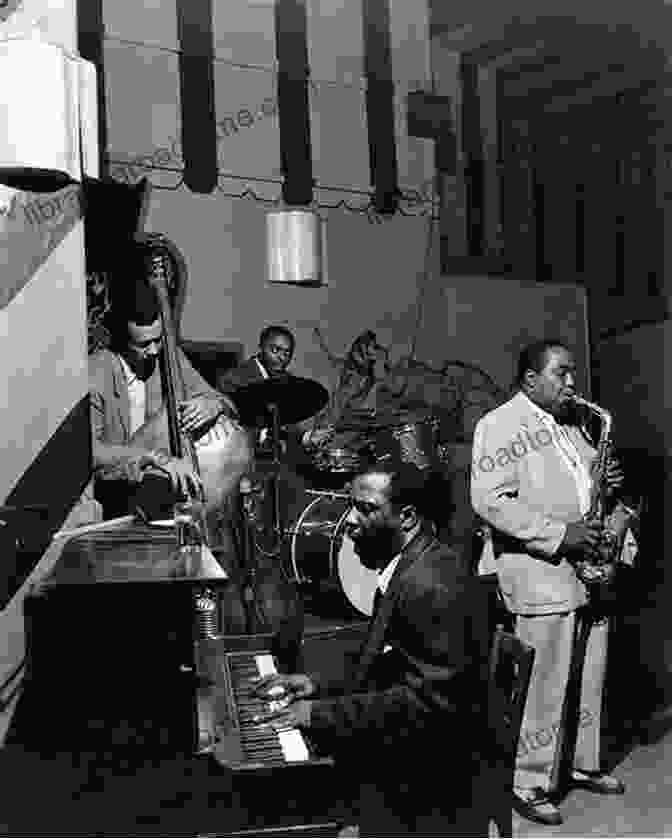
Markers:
point(189, 539)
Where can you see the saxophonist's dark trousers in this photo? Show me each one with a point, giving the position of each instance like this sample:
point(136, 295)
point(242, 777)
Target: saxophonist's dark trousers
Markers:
point(552, 637)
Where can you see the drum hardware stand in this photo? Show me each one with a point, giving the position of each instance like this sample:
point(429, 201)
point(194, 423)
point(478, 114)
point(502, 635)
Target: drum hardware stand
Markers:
point(249, 564)
point(253, 515)
point(276, 526)
point(329, 492)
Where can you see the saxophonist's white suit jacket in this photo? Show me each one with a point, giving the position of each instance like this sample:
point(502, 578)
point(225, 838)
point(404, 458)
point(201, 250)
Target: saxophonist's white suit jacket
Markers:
point(521, 486)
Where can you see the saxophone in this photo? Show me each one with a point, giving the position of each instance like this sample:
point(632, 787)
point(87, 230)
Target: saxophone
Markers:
point(600, 570)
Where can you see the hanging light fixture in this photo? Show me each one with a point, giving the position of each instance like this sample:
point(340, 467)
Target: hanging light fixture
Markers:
point(296, 248)
point(48, 114)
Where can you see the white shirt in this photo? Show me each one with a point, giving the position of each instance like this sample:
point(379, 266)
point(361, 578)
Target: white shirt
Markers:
point(384, 578)
point(385, 575)
point(569, 453)
point(137, 396)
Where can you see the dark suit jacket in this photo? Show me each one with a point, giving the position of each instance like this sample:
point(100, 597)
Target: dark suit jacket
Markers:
point(421, 702)
point(248, 372)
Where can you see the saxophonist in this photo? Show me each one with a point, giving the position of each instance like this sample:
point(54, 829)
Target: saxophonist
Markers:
point(532, 485)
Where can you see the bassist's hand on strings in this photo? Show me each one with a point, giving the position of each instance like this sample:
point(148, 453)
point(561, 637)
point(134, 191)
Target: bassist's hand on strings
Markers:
point(197, 412)
point(181, 473)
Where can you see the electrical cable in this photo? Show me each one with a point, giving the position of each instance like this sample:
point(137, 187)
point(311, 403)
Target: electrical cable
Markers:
point(366, 209)
point(129, 42)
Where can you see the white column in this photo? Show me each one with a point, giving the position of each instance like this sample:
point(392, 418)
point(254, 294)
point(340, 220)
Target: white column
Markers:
point(57, 19)
point(42, 326)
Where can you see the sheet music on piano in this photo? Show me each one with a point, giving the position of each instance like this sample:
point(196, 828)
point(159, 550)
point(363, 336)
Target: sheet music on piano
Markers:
point(228, 708)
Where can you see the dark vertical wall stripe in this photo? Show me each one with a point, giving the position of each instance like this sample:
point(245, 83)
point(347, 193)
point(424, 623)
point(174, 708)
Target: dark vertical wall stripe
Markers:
point(55, 480)
point(540, 197)
point(380, 104)
point(197, 94)
point(291, 34)
point(472, 145)
point(90, 43)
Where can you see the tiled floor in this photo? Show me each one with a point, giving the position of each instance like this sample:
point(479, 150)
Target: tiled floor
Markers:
point(645, 809)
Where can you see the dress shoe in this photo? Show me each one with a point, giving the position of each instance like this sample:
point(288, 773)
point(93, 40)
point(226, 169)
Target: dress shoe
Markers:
point(535, 806)
point(597, 782)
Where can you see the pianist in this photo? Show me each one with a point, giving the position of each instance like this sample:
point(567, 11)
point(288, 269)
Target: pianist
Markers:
point(126, 390)
point(407, 728)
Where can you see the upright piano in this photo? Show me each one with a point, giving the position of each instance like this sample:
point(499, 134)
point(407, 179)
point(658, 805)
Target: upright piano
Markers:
point(125, 659)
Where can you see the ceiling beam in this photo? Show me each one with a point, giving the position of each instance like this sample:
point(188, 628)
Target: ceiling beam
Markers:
point(513, 36)
point(448, 17)
point(471, 34)
point(609, 86)
point(517, 55)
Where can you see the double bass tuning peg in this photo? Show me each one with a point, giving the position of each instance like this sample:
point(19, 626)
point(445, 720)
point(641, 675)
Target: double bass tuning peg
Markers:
point(151, 239)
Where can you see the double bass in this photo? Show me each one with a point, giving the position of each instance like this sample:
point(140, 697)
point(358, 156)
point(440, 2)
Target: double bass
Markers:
point(221, 452)
point(260, 598)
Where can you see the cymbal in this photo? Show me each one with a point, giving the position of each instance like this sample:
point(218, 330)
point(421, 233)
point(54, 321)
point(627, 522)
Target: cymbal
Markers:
point(296, 399)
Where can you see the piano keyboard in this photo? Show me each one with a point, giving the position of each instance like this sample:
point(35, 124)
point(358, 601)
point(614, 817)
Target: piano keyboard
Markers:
point(262, 741)
point(243, 742)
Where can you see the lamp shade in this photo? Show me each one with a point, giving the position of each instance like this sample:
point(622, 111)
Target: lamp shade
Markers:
point(48, 116)
point(296, 248)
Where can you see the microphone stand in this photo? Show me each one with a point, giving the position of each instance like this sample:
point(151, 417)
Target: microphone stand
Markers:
point(248, 565)
point(276, 525)
point(251, 511)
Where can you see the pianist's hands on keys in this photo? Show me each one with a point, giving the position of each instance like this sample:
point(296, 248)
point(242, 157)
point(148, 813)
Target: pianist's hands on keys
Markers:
point(285, 696)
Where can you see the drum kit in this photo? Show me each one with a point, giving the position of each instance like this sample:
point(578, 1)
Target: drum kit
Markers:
point(313, 546)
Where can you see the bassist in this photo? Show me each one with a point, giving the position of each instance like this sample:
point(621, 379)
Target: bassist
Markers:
point(126, 392)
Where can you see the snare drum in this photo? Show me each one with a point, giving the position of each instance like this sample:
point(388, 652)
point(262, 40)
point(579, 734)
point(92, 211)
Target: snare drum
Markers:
point(338, 461)
point(413, 441)
point(321, 550)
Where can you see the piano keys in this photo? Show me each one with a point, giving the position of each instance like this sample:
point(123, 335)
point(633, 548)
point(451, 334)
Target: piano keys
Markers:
point(261, 741)
point(235, 737)
point(119, 665)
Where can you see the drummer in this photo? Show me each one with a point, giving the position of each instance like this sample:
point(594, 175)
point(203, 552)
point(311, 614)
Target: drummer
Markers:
point(270, 362)
point(269, 366)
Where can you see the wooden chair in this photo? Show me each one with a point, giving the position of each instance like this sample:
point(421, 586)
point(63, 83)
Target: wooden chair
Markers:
point(510, 671)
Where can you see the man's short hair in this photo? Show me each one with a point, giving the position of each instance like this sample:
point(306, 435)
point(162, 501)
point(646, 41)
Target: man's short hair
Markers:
point(535, 356)
point(410, 486)
point(274, 330)
point(133, 300)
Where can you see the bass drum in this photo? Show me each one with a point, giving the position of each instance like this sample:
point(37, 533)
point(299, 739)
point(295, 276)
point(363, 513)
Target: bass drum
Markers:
point(321, 551)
